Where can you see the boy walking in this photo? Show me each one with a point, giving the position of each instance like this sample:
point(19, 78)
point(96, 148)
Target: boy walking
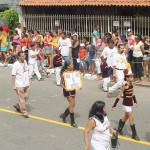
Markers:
point(57, 63)
point(104, 69)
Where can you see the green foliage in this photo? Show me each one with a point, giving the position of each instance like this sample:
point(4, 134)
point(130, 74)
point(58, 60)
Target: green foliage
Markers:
point(11, 17)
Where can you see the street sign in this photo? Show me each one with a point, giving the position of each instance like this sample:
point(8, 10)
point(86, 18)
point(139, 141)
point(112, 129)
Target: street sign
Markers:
point(57, 23)
point(116, 23)
point(127, 24)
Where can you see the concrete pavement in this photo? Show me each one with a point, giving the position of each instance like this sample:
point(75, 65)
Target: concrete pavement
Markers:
point(47, 103)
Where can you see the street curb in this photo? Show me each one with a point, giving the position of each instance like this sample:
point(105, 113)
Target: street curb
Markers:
point(142, 85)
point(86, 77)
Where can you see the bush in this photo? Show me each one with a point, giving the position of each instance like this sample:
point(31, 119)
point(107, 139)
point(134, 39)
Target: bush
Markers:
point(11, 17)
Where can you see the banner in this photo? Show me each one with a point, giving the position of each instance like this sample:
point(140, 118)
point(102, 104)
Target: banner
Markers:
point(73, 80)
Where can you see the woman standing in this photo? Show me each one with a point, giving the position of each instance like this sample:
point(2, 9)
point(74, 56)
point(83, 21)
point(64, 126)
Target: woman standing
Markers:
point(138, 51)
point(146, 57)
point(3, 43)
point(75, 50)
point(16, 40)
point(36, 37)
point(23, 41)
point(128, 101)
point(55, 39)
point(30, 37)
point(99, 123)
point(16, 37)
point(48, 48)
point(70, 95)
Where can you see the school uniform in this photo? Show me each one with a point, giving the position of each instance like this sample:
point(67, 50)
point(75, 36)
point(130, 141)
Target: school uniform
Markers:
point(105, 75)
point(33, 64)
point(57, 62)
point(119, 63)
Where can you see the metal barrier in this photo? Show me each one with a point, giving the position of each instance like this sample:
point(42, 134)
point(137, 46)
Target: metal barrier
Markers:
point(85, 24)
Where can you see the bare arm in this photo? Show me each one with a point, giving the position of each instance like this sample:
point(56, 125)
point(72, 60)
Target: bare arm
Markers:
point(70, 52)
point(62, 82)
point(26, 42)
point(76, 44)
point(142, 48)
point(90, 125)
point(114, 71)
point(13, 82)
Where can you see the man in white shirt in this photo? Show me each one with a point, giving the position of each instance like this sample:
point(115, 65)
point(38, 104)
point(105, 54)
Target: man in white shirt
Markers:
point(65, 45)
point(108, 53)
point(19, 30)
point(33, 62)
point(119, 65)
point(21, 82)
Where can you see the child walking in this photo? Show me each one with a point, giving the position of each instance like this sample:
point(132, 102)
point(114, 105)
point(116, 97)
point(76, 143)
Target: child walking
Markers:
point(128, 101)
point(82, 56)
point(104, 70)
point(57, 62)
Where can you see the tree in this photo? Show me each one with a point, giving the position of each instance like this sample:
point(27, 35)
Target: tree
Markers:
point(11, 17)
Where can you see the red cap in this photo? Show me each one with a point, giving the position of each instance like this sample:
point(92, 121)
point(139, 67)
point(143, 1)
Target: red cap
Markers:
point(32, 44)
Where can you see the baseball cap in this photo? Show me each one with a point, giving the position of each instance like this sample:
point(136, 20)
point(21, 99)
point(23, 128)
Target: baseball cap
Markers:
point(129, 30)
point(32, 44)
point(82, 44)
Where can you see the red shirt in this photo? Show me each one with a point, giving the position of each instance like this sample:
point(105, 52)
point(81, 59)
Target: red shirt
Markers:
point(23, 42)
point(82, 53)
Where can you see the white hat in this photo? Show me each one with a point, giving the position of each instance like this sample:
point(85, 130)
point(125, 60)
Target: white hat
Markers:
point(82, 44)
point(129, 30)
point(129, 73)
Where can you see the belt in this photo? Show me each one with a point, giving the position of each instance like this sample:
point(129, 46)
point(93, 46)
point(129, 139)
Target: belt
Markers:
point(120, 69)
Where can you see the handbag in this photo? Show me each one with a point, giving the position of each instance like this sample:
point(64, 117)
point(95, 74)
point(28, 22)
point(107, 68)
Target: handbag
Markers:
point(130, 55)
point(114, 140)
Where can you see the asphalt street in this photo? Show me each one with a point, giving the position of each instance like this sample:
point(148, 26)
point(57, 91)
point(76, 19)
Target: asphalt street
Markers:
point(44, 130)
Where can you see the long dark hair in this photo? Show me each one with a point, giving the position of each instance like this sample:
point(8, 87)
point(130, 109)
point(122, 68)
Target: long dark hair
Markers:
point(66, 64)
point(97, 111)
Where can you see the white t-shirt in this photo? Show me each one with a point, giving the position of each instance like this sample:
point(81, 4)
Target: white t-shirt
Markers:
point(31, 59)
point(109, 53)
point(64, 45)
point(101, 131)
point(119, 61)
point(137, 50)
point(19, 32)
point(21, 71)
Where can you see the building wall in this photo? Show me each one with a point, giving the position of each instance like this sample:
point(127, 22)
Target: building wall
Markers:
point(90, 10)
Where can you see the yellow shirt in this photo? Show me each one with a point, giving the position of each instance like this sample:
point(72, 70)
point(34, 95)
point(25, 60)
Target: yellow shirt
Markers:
point(3, 39)
point(55, 41)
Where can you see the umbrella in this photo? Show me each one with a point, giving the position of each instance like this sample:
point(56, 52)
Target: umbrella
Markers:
point(3, 23)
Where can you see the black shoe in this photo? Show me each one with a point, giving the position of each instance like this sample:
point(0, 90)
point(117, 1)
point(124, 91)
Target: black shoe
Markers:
point(135, 137)
point(63, 119)
point(134, 134)
point(26, 116)
point(120, 127)
point(73, 124)
point(64, 115)
point(17, 109)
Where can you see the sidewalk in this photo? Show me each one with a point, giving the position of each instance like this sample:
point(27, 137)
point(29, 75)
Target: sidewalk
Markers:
point(143, 83)
point(86, 76)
